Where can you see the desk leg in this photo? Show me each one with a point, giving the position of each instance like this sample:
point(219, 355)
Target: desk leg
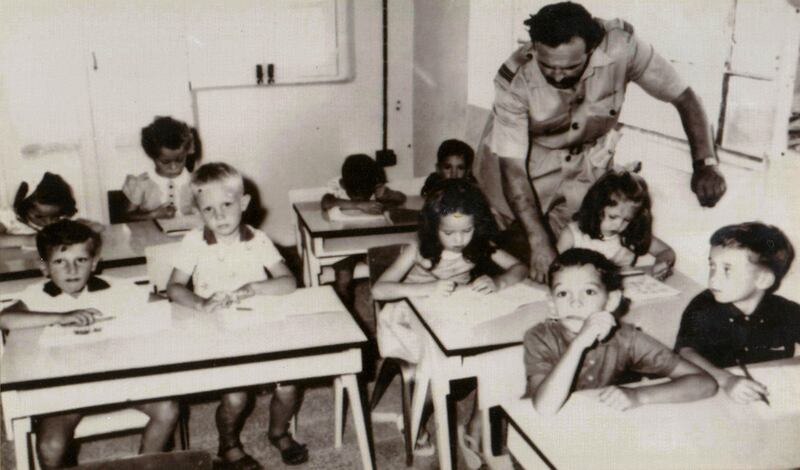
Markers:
point(354, 394)
point(22, 428)
point(440, 389)
point(421, 382)
point(338, 412)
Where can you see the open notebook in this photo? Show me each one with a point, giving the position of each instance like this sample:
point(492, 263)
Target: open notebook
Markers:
point(262, 309)
point(645, 287)
point(179, 224)
point(336, 214)
point(473, 308)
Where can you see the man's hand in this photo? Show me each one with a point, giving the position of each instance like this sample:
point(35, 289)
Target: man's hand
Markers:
point(619, 398)
point(709, 185)
point(483, 284)
point(743, 390)
point(542, 255)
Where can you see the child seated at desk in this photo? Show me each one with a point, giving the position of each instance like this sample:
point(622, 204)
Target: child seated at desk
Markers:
point(455, 250)
point(70, 251)
point(362, 187)
point(740, 319)
point(453, 160)
point(615, 219)
point(585, 346)
point(228, 261)
point(164, 191)
point(51, 201)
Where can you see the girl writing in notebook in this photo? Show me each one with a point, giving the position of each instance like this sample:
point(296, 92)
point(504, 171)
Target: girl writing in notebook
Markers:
point(615, 219)
point(455, 250)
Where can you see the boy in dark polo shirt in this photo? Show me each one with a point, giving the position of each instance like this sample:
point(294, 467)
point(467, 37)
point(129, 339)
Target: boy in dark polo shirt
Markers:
point(739, 318)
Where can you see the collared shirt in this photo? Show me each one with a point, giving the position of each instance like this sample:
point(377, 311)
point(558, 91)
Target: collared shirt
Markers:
point(557, 119)
point(149, 191)
point(723, 334)
point(627, 350)
point(48, 297)
point(218, 267)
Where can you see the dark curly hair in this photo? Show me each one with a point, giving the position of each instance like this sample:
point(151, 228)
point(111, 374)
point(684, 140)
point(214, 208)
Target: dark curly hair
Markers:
point(65, 233)
point(361, 175)
point(52, 191)
point(770, 247)
point(456, 147)
point(451, 197)
point(608, 191)
point(609, 272)
point(167, 132)
point(558, 23)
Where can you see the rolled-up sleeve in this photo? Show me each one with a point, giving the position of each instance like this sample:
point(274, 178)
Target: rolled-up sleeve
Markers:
point(653, 72)
point(649, 356)
point(510, 133)
point(540, 357)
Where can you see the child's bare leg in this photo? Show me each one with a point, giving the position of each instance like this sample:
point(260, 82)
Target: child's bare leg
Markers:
point(163, 418)
point(231, 414)
point(53, 437)
point(284, 404)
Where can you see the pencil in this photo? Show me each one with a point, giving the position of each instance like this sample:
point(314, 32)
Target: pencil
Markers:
point(747, 374)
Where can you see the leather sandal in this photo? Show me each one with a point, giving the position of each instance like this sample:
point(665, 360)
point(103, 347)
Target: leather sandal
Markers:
point(247, 462)
point(295, 454)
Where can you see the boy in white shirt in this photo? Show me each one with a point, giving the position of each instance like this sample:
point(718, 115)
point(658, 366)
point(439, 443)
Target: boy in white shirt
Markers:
point(70, 251)
point(228, 261)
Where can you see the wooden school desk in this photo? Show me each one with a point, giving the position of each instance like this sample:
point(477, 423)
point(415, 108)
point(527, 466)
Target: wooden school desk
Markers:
point(709, 434)
point(456, 350)
point(123, 244)
point(195, 354)
point(325, 240)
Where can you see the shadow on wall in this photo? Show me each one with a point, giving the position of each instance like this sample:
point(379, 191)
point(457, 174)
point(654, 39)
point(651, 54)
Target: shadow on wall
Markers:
point(256, 213)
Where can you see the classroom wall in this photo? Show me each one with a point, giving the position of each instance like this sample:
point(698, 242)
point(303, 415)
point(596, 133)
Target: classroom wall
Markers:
point(440, 77)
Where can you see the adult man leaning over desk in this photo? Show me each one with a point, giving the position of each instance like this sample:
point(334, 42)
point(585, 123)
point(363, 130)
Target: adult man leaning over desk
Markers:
point(553, 117)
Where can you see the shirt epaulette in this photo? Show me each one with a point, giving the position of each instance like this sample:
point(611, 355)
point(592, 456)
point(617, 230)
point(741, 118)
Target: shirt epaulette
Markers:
point(505, 73)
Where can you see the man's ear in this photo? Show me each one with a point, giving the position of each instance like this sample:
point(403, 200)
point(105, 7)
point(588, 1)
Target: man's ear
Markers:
point(613, 301)
point(245, 201)
point(765, 279)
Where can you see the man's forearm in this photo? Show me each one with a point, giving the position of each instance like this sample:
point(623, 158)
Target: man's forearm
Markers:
point(522, 198)
point(695, 125)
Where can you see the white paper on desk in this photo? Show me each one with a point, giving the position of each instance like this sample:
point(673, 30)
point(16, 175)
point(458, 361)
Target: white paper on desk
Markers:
point(262, 309)
point(180, 224)
point(336, 214)
point(646, 287)
point(473, 308)
point(156, 317)
point(783, 384)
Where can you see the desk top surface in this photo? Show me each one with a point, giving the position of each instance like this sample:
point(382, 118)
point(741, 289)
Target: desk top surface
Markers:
point(710, 433)
point(193, 340)
point(122, 243)
point(318, 224)
point(659, 318)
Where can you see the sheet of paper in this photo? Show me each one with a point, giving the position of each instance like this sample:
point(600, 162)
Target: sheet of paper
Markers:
point(783, 384)
point(644, 287)
point(337, 215)
point(156, 317)
point(271, 308)
point(180, 224)
point(473, 308)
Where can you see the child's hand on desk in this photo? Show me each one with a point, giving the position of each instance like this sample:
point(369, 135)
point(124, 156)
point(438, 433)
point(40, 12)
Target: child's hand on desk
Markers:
point(80, 317)
point(443, 288)
point(166, 211)
point(371, 207)
point(216, 301)
point(483, 284)
point(664, 263)
point(243, 292)
point(743, 390)
point(619, 398)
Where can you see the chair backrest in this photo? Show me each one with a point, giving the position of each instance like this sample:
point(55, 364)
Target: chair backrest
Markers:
point(159, 264)
point(117, 203)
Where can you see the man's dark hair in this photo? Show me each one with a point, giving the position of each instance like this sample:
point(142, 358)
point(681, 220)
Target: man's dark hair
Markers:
point(456, 147)
point(361, 175)
point(64, 233)
point(770, 247)
point(558, 23)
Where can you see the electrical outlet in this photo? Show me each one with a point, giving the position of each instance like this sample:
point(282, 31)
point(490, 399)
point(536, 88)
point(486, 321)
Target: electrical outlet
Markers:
point(386, 157)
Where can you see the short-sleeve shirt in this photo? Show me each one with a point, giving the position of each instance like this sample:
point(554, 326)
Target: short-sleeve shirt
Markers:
point(149, 191)
point(723, 334)
point(556, 119)
point(48, 297)
point(218, 267)
point(610, 247)
point(628, 349)
point(14, 226)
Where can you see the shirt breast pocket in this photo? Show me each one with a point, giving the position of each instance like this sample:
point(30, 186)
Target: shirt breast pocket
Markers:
point(603, 113)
